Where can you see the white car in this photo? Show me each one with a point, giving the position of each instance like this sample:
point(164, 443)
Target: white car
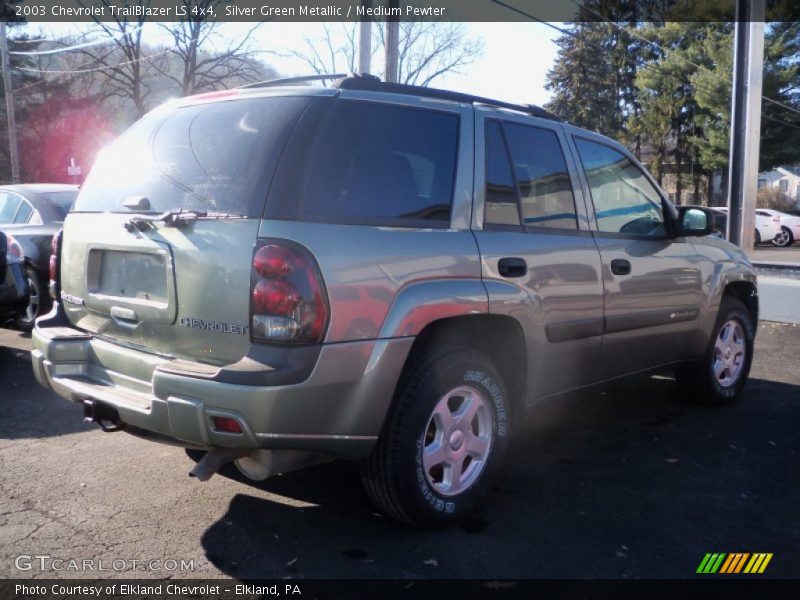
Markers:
point(768, 227)
point(790, 227)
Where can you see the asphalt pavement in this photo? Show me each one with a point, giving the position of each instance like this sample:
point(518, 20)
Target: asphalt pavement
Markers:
point(615, 482)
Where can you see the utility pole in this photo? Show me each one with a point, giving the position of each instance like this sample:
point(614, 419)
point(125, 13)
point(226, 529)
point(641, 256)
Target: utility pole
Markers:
point(392, 42)
point(365, 41)
point(748, 68)
point(12, 121)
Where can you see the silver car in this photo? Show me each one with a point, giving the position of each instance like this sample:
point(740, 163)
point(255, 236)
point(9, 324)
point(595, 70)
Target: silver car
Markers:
point(377, 272)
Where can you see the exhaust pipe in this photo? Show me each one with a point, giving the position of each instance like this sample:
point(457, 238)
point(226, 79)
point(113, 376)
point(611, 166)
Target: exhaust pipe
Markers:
point(262, 464)
point(213, 461)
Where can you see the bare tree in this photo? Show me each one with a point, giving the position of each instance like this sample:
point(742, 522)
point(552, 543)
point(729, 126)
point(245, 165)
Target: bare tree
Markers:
point(124, 74)
point(426, 50)
point(194, 66)
point(334, 52)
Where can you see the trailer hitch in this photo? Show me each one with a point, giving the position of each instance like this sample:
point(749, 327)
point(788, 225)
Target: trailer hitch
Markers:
point(105, 416)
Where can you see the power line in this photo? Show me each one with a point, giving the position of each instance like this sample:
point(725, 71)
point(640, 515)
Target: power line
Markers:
point(79, 71)
point(77, 46)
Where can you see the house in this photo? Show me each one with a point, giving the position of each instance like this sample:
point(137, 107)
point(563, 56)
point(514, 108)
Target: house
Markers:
point(782, 179)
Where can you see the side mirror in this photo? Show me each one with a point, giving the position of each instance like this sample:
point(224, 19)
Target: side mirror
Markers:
point(694, 221)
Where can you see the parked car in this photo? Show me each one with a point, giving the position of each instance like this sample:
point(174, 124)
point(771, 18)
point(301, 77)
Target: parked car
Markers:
point(498, 256)
point(32, 213)
point(790, 227)
point(768, 226)
point(13, 284)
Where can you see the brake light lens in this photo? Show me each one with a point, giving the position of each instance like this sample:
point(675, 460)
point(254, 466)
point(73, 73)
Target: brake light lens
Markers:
point(14, 251)
point(288, 302)
point(227, 425)
point(55, 265)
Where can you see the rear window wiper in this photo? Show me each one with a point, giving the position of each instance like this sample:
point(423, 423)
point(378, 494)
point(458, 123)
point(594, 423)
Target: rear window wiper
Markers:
point(177, 218)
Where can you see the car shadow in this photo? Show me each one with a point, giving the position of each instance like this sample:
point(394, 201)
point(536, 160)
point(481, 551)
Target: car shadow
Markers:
point(595, 484)
point(27, 410)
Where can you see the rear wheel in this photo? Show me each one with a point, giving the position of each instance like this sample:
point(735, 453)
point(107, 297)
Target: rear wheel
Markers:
point(721, 375)
point(757, 238)
point(784, 238)
point(445, 440)
point(37, 301)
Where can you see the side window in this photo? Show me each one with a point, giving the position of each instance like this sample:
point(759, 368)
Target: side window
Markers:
point(541, 172)
point(624, 200)
point(501, 195)
point(383, 164)
point(23, 214)
point(9, 203)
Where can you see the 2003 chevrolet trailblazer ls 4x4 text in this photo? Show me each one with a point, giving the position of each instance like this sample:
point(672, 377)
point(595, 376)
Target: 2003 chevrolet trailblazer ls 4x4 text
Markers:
point(378, 272)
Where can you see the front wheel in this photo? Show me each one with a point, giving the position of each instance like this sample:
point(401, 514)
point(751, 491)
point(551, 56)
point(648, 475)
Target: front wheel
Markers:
point(757, 238)
point(784, 238)
point(445, 441)
point(722, 373)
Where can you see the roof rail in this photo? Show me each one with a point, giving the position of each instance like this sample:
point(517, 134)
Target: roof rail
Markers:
point(373, 84)
point(293, 80)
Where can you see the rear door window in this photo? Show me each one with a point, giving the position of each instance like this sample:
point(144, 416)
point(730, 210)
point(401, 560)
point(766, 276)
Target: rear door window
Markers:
point(384, 165)
point(501, 193)
point(9, 204)
point(214, 157)
point(23, 214)
point(540, 169)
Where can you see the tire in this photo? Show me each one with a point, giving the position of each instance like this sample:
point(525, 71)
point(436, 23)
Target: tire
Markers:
point(784, 239)
point(37, 301)
point(720, 377)
point(403, 480)
point(757, 238)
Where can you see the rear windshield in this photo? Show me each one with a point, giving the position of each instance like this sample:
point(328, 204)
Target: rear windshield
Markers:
point(61, 201)
point(216, 157)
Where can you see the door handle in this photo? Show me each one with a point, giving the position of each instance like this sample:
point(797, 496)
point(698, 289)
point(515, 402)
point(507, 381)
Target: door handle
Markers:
point(620, 266)
point(512, 267)
point(124, 317)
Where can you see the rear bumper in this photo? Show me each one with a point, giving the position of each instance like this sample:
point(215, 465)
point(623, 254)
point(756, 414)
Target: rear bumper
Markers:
point(339, 409)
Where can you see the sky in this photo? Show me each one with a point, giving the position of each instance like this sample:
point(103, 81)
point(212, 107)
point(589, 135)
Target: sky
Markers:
point(512, 67)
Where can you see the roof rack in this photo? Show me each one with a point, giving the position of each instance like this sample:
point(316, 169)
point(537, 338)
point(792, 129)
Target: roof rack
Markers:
point(373, 84)
point(293, 80)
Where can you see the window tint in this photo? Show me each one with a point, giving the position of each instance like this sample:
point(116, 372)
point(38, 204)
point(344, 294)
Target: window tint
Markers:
point(383, 164)
point(9, 203)
point(23, 214)
point(216, 157)
point(624, 200)
point(501, 195)
point(541, 172)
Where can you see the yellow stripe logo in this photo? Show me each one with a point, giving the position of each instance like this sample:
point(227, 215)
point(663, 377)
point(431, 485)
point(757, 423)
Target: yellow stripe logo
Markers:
point(734, 563)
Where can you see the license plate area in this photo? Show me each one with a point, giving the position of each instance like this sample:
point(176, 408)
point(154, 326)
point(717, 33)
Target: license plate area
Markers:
point(138, 280)
point(133, 275)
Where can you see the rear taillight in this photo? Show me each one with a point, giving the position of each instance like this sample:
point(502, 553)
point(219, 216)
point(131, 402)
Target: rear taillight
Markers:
point(287, 296)
point(14, 252)
point(55, 265)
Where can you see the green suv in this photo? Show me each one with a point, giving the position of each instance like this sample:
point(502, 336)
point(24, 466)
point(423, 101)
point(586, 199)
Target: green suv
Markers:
point(376, 272)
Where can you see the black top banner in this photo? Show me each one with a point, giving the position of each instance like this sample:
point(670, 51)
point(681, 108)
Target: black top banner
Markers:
point(35, 11)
